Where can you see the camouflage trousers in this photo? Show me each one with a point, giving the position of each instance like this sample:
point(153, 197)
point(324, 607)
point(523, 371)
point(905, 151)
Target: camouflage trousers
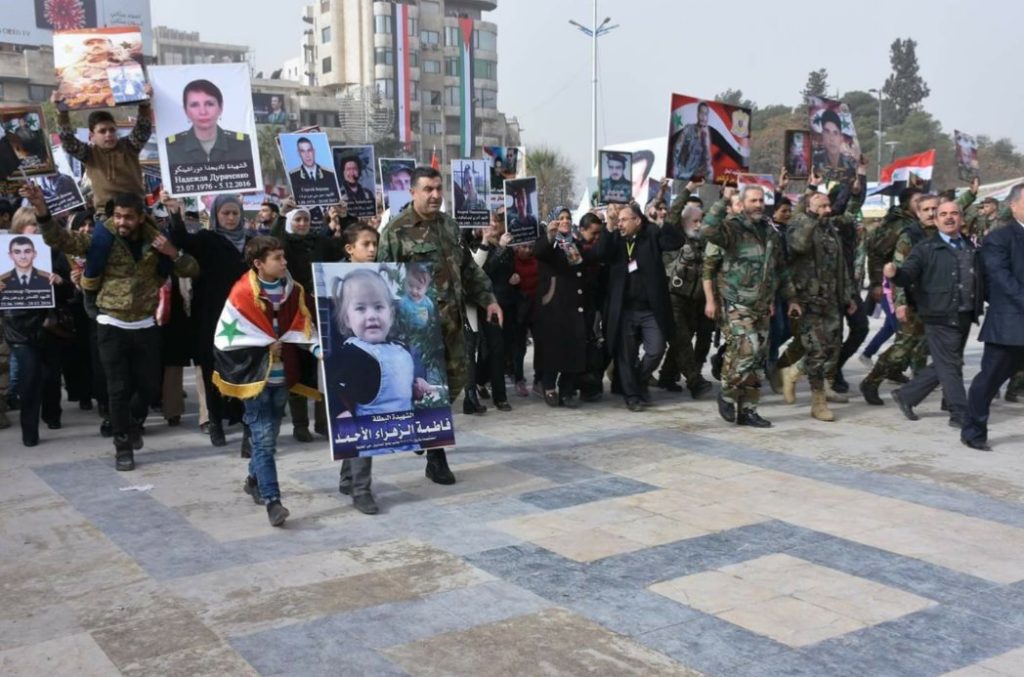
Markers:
point(453, 330)
point(684, 357)
point(909, 349)
point(817, 341)
point(745, 331)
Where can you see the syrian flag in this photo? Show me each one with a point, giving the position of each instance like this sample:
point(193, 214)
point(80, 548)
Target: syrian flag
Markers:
point(466, 86)
point(895, 176)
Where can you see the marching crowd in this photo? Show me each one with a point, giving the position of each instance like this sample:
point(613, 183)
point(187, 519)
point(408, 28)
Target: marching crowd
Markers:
point(633, 297)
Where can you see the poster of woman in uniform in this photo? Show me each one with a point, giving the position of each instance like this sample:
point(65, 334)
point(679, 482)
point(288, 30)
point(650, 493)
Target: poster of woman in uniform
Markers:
point(385, 379)
point(797, 160)
point(834, 144)
point(966, 155)
point(707, 140)
point(207, 108)
point(357, 174)
point(470, 179)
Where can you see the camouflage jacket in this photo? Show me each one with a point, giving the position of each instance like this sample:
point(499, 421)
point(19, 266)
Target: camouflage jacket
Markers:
point(882, 242)
point(685, 266)
point(817, 265)
point(753, 266)
point(129, 289)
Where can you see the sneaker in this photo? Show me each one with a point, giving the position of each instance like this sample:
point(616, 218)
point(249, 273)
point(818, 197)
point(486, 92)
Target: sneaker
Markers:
point(365, 504)
point(252, 488)
point(521, 389)
point(277, 513)
point(866, 361)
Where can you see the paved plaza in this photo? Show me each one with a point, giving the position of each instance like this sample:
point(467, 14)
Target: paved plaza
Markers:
point(590, 542)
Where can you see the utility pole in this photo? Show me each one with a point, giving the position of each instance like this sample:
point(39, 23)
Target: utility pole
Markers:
point(594, 33)
point(879, 143)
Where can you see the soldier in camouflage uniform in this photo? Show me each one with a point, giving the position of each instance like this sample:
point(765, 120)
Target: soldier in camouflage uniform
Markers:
point(421, 233)
point(752, 270)
point(821, 279)
point(980, 219)
point(910, 348)
point(685, 272)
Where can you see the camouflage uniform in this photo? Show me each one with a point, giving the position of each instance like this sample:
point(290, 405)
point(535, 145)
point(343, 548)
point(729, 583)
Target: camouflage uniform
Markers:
point(844, 173)
point(752, 269)
point(823, 287)
point(457, 279)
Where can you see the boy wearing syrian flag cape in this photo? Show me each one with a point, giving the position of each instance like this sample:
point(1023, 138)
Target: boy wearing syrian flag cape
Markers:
point(265, 322)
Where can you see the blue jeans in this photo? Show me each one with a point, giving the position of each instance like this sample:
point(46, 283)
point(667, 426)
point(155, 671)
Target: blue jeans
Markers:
point(263, 415)
point(779, 331)
point(890, 327)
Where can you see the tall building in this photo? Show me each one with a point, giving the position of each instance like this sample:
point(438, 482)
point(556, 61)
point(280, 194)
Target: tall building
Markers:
point(174, 47)
point(354, 48)
point(26, 73)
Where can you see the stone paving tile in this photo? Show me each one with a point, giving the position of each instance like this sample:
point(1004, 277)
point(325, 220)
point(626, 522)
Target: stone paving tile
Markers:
point(1008, 664)
point(584, 492)
point(75, 654)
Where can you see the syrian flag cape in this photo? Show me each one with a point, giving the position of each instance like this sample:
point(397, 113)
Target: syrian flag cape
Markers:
point(245, 330)
point(895, 176)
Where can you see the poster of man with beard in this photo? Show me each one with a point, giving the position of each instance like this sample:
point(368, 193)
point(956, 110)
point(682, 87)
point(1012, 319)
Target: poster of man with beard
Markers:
point(707, 140)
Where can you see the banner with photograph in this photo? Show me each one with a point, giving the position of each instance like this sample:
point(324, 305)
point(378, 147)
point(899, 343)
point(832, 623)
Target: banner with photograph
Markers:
point(763, 181)
point(504, 163)
point(615, 177)
point(25, 268)
point(647, 155)
point(25, 146)
point(396, 182)
point(835, 150)
point(384, 373)
point(797, 159)
point(309, 165)
point(60, 190)
point(127, 83)
point(470, 179)
point(357, 176)
point(269, 109)
point(32, 22)
point(84, 58)
point(521, 210)
point(217, 109)
point(966, 155)
point(707, 140)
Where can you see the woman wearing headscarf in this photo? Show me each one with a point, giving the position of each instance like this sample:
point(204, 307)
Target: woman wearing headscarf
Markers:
point(221, 262)
point(559, 324)
point(303, 248)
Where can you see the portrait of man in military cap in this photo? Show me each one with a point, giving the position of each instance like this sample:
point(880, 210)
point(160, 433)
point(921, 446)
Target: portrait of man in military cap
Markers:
point(616, 184)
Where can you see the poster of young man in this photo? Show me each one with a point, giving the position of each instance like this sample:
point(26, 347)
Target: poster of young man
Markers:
point(309, 164)
point(615, 181)
point(211, 146)
point(385, 380)
point(835, 149)
point(83, 59)
point(356, 171)
point(521, 210)
point(24, 146)
point(470, 179)
point(25, 267)
point(60, 190)
point(797, 160)
point(504, 163)
point(707, 140)
point(396, 182)
point(269, 109)
point(966, 155)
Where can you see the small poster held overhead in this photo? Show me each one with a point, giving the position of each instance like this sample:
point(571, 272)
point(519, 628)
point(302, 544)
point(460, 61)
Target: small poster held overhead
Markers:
point(385, 378)
point(521, 210)
point(615, 181)
point(309, 164)
point(60, 191)
point(24, 146)
point(707, 140)
point(210, 143)
point(25, 268)
point(88, 61)
point(835, 148)
point(357, 175)
point(797, 159)
point(470, 179)
point(504, 163)
point(396, 182)
point(966, 155)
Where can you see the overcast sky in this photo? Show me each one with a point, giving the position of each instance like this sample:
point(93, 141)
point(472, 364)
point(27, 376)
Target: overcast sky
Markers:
point(967, 52)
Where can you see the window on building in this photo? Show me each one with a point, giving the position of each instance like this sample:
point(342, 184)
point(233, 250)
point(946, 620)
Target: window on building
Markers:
point(325, 34)
point(451, 66)
point(383, 56)
point(485, 68)
point(414, 90)
point(451, 96)
point(39, 92)
point(325, 6)
point(485, 98)
point(430, 8)
point(431, 66)
point(453, 125)
point(382, 24)
point(325, 65)
point(485, 40)
point(431, 97)
point(414, 60)
point(430, 37)
point(414, 26)
point(452, 36)
point(432, 127)
point(385, 87)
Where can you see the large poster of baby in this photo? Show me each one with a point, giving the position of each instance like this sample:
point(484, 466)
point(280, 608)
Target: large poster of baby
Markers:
point(384, 371)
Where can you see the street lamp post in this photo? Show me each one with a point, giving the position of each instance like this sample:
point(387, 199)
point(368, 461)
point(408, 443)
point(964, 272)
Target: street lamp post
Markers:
point(594, 33)
point(879, 143)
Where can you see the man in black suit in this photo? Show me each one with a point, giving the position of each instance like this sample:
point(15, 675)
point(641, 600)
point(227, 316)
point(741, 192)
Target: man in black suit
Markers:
point(311, 183)
point(1003, 330)
point(944, 274)
point(24, 275)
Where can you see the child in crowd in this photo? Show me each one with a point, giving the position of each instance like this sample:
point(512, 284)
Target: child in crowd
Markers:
point(361, 243)
point(262, 326)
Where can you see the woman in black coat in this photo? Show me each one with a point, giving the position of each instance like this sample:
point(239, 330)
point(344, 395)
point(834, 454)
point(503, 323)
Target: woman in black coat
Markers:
point(560, 332)
point(219, 251)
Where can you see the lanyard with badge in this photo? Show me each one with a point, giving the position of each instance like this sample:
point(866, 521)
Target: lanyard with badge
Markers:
point(632, 266)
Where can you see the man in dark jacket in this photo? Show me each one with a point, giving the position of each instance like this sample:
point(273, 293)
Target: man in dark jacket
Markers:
point(944, 276)
point(1003, 330)
point(637, 305)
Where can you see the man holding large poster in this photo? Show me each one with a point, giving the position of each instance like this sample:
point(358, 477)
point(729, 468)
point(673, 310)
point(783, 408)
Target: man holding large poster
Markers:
point(707, 140)
point(205, 157)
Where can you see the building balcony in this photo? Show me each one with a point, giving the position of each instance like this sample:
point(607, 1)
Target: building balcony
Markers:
point(480, 5)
